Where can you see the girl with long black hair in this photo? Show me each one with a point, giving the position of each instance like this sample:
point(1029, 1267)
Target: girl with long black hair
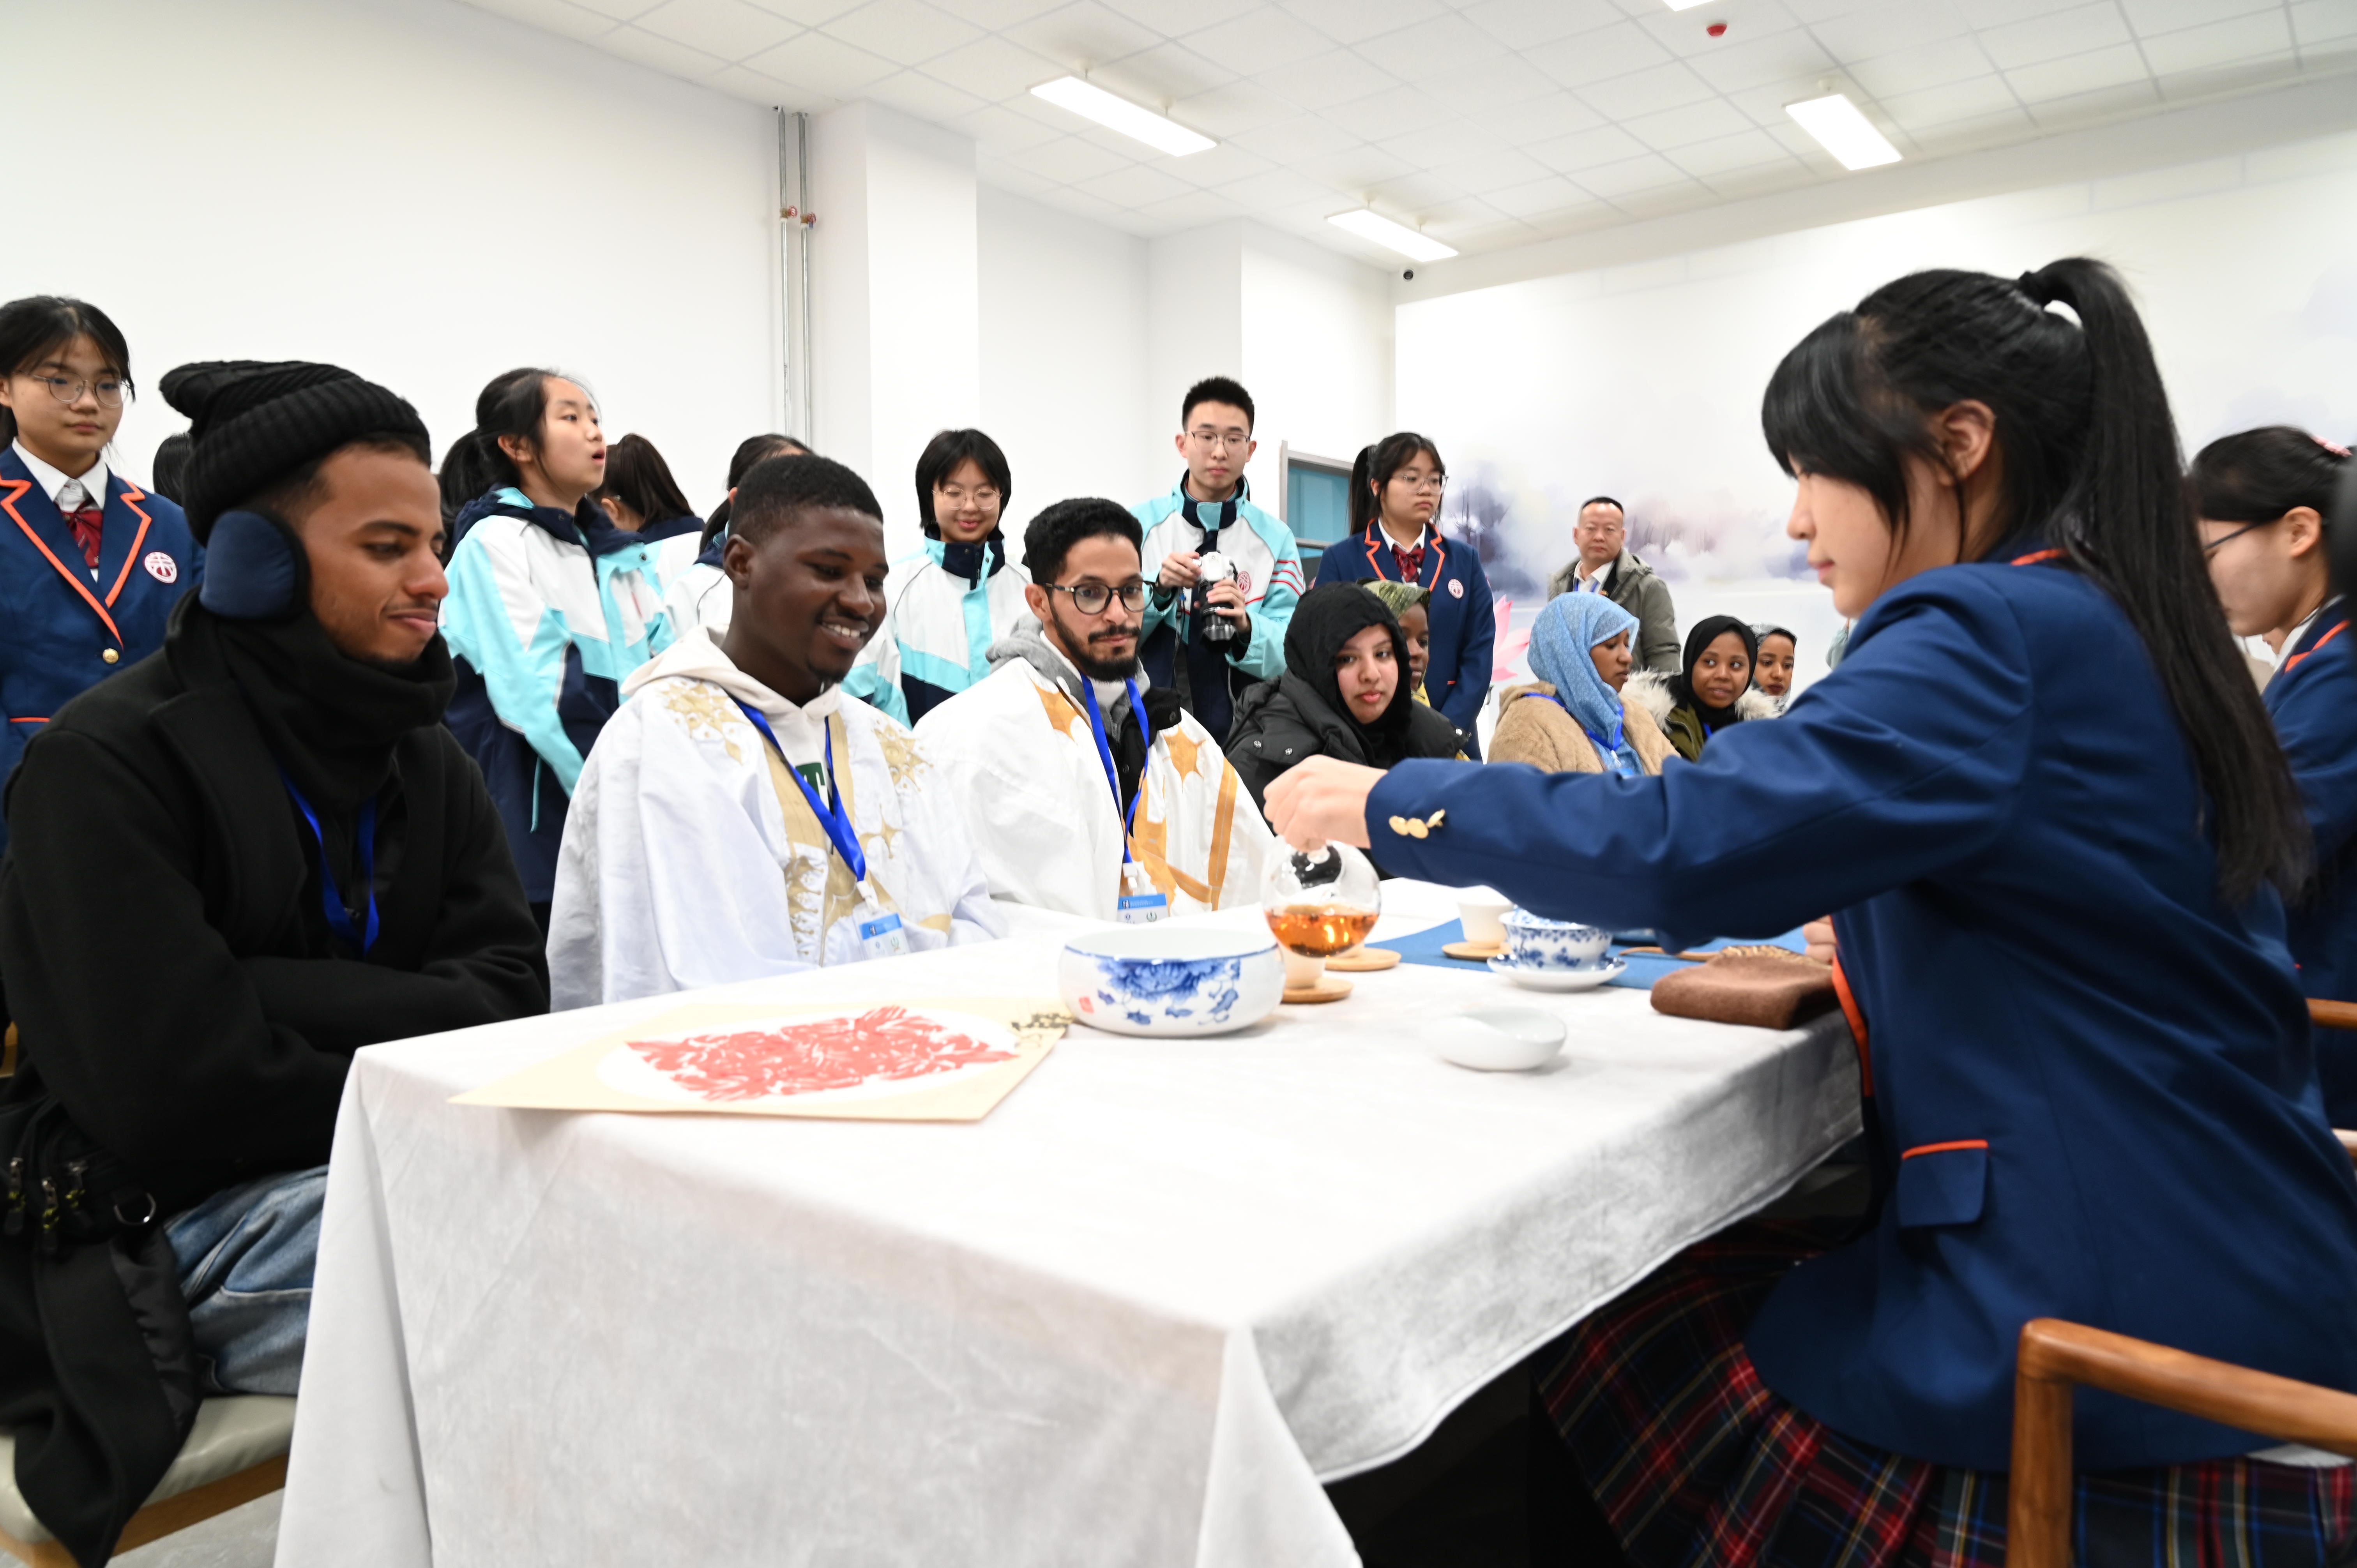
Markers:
point(90, 564)
point(2263, 497)
point(551, 607)
point(2045, 801)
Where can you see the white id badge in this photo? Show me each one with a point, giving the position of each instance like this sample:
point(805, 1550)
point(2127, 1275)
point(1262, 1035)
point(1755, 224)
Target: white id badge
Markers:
point(880, 933)
point(1142, 904)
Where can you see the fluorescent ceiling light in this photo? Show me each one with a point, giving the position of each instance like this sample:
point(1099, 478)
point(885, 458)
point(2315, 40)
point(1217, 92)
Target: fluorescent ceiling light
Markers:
point(1849, 135)
point(1368, 225)
point(1093, 103)
point(1687, 5)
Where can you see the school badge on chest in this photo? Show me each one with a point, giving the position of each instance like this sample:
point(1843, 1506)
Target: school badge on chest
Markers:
point(1455, 587)
point(161, 567)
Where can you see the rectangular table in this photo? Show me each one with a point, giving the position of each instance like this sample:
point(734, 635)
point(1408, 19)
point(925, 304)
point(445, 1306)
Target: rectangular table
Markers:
point(1137, 1315)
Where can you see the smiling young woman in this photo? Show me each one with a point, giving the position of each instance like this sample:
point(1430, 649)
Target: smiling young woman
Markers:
point(90, 563)
point(2044, 798)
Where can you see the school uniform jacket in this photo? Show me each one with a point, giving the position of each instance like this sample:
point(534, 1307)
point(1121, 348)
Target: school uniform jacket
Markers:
point(61, 630)
point(2314, 700)
point(545, 623)
point(2090, 1086)
point(1463, 623)
point(695, 591)
point(937, 633)
point(1268, 574)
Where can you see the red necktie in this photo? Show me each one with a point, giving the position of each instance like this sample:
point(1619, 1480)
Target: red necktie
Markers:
point(1410, 563)
point(88, 526)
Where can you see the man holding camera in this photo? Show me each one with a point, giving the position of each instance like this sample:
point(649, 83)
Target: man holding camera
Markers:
point(1225, 573)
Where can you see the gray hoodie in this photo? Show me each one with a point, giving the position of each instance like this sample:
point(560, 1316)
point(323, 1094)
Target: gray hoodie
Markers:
point(1027, 643)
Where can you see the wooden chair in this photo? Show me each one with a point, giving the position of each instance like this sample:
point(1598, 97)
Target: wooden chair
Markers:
point(236, 1453)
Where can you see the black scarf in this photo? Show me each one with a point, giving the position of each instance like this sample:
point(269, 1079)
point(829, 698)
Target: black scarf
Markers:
point(1324, 619)
point(1682, 691)
point(331, 721)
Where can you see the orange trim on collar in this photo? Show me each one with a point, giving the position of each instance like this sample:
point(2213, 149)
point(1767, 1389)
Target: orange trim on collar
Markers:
point(2035, 556)
point(131, 496)
point(1856, 1017)
point(44, 719)
point(2293, 662)
point(1943, 1148)
point(16, 488)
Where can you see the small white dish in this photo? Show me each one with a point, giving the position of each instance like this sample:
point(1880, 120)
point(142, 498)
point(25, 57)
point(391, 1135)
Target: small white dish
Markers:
point(1499, 1039)
point(1530, 979)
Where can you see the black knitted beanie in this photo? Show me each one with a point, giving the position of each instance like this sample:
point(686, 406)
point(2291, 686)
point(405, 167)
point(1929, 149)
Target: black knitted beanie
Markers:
point(254, 422)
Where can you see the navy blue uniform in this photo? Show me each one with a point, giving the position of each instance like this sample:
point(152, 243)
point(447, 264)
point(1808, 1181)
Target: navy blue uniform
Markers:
point(2314, 700)
point(1463, 619)
point(61, 631)
point(2091, 1093)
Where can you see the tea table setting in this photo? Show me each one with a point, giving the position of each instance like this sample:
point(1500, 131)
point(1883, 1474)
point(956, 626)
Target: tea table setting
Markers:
point(1090, 1296)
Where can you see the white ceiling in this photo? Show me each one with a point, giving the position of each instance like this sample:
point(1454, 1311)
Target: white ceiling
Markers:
point(1486, 122)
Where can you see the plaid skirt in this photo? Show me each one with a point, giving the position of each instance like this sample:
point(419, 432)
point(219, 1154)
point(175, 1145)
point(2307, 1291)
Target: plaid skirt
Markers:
point(1696, 1464)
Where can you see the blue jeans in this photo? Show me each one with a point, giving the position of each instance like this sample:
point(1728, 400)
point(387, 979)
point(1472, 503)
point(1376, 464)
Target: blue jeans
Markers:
point(246, 1255)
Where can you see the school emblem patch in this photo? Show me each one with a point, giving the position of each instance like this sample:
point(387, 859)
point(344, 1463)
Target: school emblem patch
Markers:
point(1455, 587)
point(161, 567)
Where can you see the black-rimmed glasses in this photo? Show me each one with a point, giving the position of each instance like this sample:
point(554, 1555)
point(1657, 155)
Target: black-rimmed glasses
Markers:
point(1091, 598)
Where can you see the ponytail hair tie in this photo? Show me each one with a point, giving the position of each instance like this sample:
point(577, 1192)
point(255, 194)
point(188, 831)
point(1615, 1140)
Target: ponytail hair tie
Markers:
point(2034, 287)
point(2333, 446)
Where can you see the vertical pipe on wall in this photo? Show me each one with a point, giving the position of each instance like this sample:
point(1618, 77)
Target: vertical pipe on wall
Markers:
point(795, 224)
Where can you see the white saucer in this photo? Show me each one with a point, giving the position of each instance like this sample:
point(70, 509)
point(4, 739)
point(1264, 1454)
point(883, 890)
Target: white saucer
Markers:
point(1557, 979)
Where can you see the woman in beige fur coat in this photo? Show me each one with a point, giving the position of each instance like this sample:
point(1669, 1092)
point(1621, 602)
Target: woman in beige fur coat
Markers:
point(1571, 719)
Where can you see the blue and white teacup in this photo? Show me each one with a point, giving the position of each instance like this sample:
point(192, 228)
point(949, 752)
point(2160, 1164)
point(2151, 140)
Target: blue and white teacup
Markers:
point(1534, 941)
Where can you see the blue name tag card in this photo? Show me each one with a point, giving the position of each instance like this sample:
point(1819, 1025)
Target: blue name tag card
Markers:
point(880, 932)
point(1144, 908)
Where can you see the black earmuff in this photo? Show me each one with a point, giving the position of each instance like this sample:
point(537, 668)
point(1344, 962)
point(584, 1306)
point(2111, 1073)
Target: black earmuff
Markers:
point(254, 568)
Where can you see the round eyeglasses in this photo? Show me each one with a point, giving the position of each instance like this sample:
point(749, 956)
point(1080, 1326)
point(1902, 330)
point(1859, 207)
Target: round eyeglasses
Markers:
point(1091, 598)
point(69, 390)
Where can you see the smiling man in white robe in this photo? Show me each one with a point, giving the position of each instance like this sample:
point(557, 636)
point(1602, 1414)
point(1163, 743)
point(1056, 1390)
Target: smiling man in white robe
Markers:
point(740, 816)
point(1062, 747)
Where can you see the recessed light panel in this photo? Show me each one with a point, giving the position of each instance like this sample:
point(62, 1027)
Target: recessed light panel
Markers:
point(1368, 225)
point(1849, 135)
point(1094, 102)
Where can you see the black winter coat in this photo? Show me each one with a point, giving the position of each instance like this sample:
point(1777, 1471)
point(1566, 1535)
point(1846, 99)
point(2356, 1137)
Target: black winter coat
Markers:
point(1279, 723)
point(162, 941)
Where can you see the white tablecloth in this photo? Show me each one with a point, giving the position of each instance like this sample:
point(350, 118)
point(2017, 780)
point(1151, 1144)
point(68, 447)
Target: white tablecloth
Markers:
point(1135, 1316)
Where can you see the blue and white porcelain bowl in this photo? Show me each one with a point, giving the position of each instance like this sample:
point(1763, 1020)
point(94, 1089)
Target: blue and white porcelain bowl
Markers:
point(1166, 981)
point(1533, 941)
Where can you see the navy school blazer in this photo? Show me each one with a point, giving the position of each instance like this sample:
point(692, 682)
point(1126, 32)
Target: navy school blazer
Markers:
point(2313, 697)
point(2092, 1096)
point(61, 632)
point(1464, 624)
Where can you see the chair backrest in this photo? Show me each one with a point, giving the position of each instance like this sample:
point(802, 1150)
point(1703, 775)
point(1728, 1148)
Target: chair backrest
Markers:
point(2056, 1357)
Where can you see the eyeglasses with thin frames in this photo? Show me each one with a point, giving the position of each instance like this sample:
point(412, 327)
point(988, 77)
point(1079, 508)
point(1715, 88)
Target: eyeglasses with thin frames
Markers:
point(1091, 598)
point(1220, 440)
point(69, 390)
point(2212, 548)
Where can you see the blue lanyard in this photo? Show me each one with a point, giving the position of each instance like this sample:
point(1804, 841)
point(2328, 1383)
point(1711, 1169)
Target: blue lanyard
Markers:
point(828, 812)
point(1104, 755)
point(331, 899)
point(1611, 748)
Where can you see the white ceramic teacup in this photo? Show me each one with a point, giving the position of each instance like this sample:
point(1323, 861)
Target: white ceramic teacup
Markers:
point(1481, 910)
point(1537, 943)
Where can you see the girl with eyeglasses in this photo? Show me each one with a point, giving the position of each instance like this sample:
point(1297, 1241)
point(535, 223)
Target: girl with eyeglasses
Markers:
point(90, 564)
point(1397, 487)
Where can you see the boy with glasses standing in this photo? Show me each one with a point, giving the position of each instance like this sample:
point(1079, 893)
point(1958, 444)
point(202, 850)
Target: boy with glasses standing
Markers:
point(1225, 575)
point(1083, 791)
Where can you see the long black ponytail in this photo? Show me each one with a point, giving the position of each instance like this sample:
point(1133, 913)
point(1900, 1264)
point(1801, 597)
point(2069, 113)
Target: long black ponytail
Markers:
point(2091, 465)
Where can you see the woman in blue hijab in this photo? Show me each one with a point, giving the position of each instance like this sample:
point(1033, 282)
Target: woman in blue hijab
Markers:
point(1571, 719)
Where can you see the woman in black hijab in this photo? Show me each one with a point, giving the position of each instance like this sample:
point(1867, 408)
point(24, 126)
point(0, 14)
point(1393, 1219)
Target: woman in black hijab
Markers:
point(1711, 691)
point(1344, 694)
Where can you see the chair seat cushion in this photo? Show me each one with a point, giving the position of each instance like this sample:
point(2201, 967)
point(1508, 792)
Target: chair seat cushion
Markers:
point(233, 1433)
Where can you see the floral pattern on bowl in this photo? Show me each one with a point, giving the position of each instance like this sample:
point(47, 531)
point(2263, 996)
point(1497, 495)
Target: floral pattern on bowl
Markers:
point(1154, 980)
point(1533, 941)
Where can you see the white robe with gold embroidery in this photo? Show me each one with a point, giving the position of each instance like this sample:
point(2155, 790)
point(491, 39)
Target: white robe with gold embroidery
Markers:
point(1016, 754)
point(691, 859)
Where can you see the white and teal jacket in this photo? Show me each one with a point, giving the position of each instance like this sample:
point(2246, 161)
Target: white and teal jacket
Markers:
point(949, 605)
point(1268, 571)
point(544, 619)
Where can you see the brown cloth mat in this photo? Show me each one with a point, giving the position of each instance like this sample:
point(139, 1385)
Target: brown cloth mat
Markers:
point(1767, 988)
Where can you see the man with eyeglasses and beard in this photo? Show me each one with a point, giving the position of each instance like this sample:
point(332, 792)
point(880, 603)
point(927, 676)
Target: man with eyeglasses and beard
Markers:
point(1084, 791)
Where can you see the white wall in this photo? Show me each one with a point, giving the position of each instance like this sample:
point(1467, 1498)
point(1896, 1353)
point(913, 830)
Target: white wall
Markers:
point(1064, 358)
point(424, 192)
point(1317, 347)
point(1645, 380)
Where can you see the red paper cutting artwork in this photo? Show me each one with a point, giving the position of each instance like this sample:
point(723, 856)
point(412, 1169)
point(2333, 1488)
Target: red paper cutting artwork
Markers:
point(887, 1043)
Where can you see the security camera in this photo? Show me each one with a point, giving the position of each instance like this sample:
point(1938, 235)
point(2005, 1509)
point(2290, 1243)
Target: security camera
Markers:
point(1409, 276)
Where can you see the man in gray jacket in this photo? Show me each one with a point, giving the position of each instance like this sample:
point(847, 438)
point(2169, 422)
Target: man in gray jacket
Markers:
point(1606, 565)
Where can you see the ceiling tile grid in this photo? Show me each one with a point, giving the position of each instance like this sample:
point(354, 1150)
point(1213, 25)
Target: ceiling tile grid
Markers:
point(1485, 122)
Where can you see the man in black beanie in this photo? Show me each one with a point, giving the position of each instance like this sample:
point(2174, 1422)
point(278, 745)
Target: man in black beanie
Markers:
point(259, 850)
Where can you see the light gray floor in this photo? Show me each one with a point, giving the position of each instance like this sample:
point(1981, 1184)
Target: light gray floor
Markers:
point(242, 1537)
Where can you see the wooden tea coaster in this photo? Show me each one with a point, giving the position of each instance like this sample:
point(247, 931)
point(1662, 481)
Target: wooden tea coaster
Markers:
point(1474, 952)
point(1363, 960)
point(1326, 990)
